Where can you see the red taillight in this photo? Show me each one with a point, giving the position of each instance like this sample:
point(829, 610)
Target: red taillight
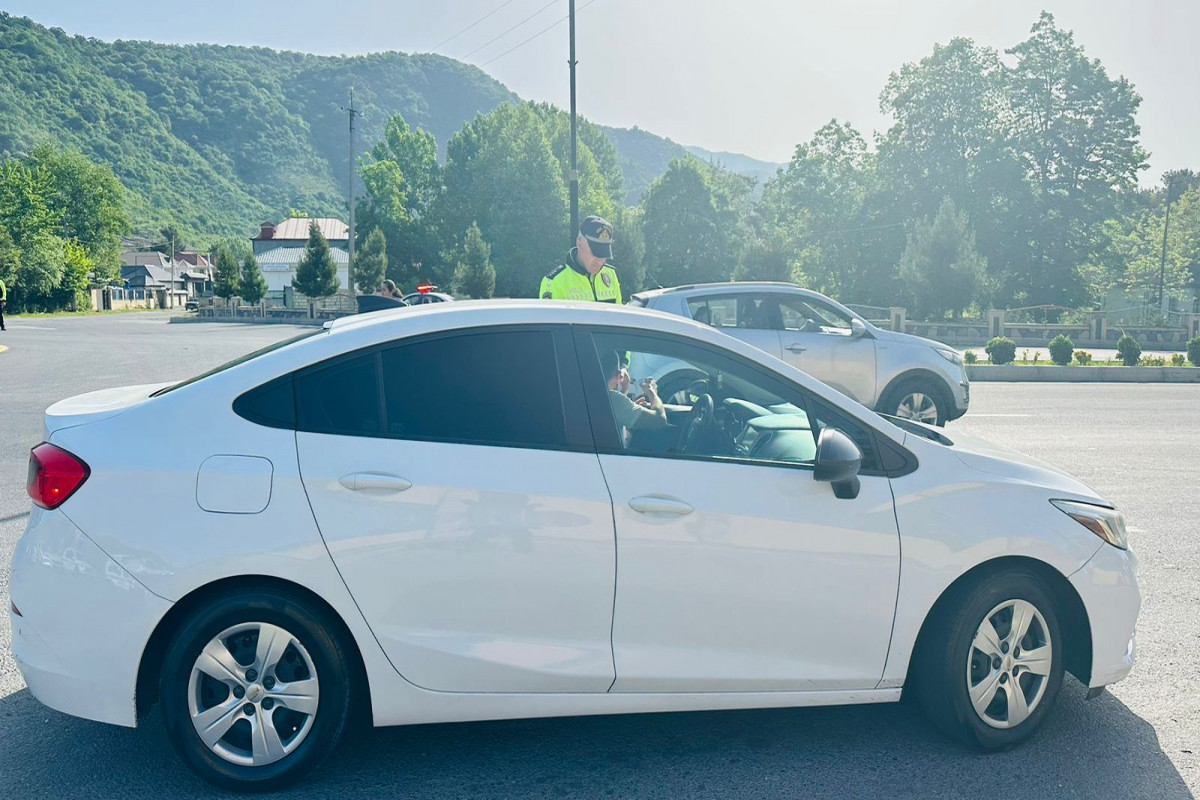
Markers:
point(54, 475)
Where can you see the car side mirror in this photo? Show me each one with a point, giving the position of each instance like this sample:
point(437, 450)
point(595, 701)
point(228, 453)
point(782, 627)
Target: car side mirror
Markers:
point(857, 328)
point(838, 462)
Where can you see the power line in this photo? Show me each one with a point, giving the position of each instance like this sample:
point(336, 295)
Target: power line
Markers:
point(545, 30)
point(507, 32)
point(472, 25)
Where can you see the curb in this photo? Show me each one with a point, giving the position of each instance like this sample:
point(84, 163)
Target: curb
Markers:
point(247, 321)
point(1008, 373)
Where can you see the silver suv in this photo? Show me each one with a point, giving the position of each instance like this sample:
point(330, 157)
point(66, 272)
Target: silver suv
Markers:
point(893, 373)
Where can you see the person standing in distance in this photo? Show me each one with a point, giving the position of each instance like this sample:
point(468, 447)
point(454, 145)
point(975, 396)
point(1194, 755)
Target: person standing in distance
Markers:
point(3, 303)
point(586, 275)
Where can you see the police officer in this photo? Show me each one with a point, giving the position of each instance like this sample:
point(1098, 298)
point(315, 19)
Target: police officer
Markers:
point(586, 275)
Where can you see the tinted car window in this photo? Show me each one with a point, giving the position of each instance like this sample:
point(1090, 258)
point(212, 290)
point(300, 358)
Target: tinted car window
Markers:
point(743, 310)
point(755, 416)
point(493, 387)
point(340, 398)
point(813, 317)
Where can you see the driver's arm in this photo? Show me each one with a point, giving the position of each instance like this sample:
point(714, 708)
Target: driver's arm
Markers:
point(654, 413)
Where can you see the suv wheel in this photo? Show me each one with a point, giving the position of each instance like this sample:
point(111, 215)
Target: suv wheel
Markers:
point(918, 399)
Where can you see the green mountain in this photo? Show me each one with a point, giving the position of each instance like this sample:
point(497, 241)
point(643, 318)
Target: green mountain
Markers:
point(220, 138)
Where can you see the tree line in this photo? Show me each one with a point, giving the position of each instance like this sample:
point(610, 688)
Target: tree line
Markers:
point(1003, 180)
point(61, 222)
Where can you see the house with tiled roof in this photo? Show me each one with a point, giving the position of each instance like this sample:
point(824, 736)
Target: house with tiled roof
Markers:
point(280, 246)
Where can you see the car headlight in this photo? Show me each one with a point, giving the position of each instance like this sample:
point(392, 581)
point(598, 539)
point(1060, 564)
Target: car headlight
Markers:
point(950, 355)
point(1107, 523)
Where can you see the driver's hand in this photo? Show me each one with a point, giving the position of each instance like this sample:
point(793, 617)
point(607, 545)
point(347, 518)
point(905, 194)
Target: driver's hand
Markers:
point(650, 390)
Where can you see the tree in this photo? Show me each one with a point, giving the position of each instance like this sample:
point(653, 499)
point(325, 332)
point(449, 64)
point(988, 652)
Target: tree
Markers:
point(1076, 138)
point(952, 137)
point(88, 205)
point(403, 187)
point(251, 284)
point(475, 276)
point(941, 270)
point(823, 213)
point(226, 276)
point(171, 239)
point(316, 274)
point(501, 173)
point(370, 262)
point(10, 257)
point(763, 258)
point(691, 221)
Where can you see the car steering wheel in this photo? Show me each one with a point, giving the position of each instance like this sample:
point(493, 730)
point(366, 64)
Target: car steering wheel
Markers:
point(698, 424)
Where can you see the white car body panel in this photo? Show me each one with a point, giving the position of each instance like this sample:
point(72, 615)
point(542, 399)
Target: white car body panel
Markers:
point(506, 586)
point(817, 570)
point(106, 584)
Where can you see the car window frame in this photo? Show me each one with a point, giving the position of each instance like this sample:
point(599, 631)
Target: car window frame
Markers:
point(737, 298)
point(577, 424)
point(604, 429)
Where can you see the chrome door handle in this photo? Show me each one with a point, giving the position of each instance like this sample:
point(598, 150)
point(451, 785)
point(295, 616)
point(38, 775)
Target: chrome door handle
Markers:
point(660, 505)
point(379, 481)
point(796, 348)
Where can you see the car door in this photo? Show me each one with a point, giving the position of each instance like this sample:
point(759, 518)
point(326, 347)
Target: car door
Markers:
point(742, 315)
point(455, 484)
point(736, 570)
point(820, 339)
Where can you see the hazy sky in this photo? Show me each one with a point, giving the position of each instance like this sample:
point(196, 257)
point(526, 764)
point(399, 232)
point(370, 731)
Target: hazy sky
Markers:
point(754, 76)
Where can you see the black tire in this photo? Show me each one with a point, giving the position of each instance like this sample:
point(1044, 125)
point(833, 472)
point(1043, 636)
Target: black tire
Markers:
point(940, 667)
point(893, 397)
point(313, 628)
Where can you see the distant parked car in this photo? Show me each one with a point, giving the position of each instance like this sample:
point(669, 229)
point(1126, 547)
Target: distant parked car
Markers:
point(893, 373)
point(377, 302)
point(426, 293)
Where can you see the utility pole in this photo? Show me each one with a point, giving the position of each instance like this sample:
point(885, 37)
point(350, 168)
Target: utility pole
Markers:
point(574, 139)
point(171, 289)
point(1162, 264)
point(353, 112)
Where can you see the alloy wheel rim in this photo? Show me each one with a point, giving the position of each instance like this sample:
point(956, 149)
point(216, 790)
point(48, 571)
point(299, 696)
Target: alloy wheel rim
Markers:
point(1009, 663)
point(918, 406)
point(253, 694)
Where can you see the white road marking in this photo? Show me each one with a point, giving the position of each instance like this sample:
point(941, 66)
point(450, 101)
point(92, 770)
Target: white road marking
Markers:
point(975, 416)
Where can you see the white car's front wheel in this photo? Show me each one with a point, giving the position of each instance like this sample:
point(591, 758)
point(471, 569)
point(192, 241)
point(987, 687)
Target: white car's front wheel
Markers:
point(991, 661)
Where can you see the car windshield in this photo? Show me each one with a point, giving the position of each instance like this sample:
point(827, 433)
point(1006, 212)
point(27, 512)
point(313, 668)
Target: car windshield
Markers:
point(237, 361)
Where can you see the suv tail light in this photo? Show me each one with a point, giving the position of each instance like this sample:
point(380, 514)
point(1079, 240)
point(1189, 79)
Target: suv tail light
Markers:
point(54, 475)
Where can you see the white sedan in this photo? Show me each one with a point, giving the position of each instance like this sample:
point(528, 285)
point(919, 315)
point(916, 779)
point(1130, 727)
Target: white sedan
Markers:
point(458, 512)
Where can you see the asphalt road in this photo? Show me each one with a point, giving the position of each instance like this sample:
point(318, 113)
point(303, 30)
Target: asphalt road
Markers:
point(1138, 445)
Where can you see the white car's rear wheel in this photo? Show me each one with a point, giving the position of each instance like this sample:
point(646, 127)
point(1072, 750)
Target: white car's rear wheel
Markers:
point(256, 689)
point(990, 662)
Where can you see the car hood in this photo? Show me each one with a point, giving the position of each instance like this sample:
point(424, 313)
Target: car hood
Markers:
point(895, 337)
point(1004, 463)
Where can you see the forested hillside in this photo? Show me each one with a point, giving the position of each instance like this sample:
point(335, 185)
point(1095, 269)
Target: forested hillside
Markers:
point(216, 138)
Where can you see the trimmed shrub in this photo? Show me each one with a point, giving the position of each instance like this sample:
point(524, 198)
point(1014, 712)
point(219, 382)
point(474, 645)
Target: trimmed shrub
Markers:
point(1083, 358)
point(1001, 350)
point(1178, 359)
point(970, 357)
point(1194, 351)
point(1128, 350)
point(1061, 349)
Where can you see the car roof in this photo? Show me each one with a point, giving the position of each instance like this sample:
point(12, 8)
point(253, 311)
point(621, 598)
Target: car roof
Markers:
point(472, 313)
point(729, 287)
